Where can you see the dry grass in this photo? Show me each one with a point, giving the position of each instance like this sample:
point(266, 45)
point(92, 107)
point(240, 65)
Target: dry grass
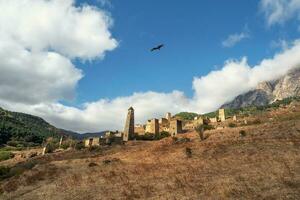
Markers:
point(263, 164)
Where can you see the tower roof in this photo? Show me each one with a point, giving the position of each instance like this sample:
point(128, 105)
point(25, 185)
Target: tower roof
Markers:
point(131, 108)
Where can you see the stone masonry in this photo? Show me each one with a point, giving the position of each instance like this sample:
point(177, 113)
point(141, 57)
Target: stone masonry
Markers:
point(152, 126)
point(222, 115)
point(175, 127)
point(129, 125)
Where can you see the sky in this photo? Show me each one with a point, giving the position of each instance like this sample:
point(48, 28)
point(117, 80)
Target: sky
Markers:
point(80, 64)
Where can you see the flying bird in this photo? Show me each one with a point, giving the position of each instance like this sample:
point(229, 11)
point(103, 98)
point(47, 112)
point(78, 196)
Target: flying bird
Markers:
point(157, 48)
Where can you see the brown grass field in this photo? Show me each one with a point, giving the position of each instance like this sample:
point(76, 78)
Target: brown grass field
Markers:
point(264, 164)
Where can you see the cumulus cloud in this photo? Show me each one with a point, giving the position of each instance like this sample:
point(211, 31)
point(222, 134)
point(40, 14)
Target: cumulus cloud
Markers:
point(280, 11)
point(233, 39)
point(38, 38)
point(58, 25)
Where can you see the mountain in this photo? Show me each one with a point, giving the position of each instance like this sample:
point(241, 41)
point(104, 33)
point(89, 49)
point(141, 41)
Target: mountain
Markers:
point(27, 129)
point(268, 92)
point(87, 135)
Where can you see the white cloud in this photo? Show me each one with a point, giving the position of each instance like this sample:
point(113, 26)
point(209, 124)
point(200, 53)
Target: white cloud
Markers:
point(233, 39)
point(37, 40)
point(58, 25)
point(280, 11)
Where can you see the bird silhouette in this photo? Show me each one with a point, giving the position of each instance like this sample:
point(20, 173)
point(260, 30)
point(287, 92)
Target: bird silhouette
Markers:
point(157, 48)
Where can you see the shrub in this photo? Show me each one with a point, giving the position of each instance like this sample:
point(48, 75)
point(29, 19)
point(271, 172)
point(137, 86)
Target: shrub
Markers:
point(5, 155)
point(256, 121)
point(79, 145)
point(188, 152)
point(242, 133)
point(4, 172)
point(92, 164)
point(164, 134)
point(50, 147)
point(232, 125)
point(151, 136)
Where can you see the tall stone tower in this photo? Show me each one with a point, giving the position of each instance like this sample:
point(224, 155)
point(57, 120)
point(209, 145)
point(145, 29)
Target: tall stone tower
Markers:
point(129, 126)
point(222, 115)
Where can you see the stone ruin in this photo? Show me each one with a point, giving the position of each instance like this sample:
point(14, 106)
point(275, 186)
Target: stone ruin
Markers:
point(139, 129)
point(234, 118)
point(129, 125)
point(213, 120)
point(168, 116)
point(222, 117)
point(175, 127)
point(91, 142)
point(198, 121)
point(152, 126)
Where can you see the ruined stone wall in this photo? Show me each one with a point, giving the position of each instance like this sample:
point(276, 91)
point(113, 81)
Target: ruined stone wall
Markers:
point(175, 127)
point(139, 129)
point(152, 126)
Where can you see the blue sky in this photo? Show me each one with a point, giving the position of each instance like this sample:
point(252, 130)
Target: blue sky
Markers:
point(192, 32)
point(67, 63)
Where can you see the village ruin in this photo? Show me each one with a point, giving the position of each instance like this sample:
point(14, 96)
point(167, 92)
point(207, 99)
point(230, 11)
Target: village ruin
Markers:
point(168, 124)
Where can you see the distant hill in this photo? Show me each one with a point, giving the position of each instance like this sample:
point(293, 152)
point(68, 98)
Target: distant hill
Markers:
point(269, 92)
point(29, 130)
point(87, 135)
point(25, 129)
point(186, 115)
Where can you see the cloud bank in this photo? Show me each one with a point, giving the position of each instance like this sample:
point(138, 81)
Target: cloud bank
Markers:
point(40, 38)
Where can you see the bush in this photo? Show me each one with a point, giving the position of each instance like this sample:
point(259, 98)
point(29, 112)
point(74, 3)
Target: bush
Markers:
point(256, 121)
point(208, 127)
point(5, 155)
point(79, 145)
point(64, 146)
point(188, 152)
point(151, 136)
point(7, 172)
point(242, 133)
point(50, 147)
point(92, 164)
point(4, 172)
point(164, 134)
point(232, 125)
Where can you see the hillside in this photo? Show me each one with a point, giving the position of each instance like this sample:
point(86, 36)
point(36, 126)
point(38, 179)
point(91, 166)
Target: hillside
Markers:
point(268, 92)
point(25, 130)
point(262, 163)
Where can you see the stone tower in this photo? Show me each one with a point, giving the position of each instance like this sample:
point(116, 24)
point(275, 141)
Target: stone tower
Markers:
point(168, 116)
point(175, 127)
point(222, 115)
point(129, 126)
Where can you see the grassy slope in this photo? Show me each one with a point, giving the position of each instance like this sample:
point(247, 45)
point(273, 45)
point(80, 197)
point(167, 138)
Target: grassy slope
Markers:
point(263, 164)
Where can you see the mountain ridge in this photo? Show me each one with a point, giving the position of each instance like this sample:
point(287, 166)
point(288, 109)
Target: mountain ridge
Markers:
point(268, 92)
